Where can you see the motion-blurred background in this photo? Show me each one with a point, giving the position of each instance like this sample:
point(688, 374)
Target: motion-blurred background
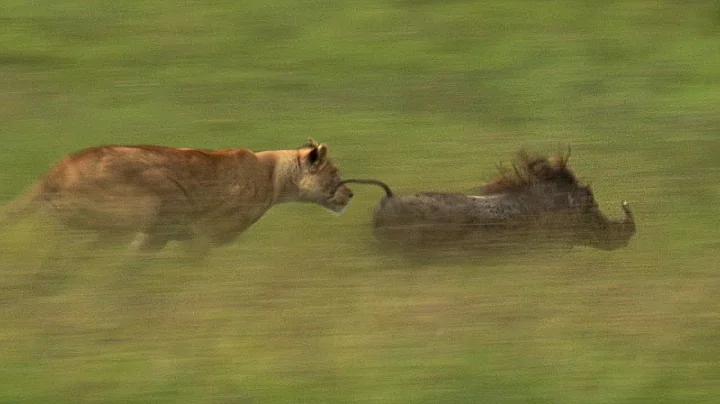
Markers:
point(424, 95)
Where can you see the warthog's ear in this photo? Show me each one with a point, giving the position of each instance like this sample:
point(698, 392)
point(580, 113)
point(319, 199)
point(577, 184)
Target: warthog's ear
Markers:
point(318, 154)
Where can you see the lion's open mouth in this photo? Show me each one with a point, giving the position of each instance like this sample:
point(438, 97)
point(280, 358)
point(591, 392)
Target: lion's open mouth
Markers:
point(338, 202)
point(337, 206)
point(340, 198)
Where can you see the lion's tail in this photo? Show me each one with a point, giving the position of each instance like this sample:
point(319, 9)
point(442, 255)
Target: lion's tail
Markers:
point(381, 184)
point(27, 203)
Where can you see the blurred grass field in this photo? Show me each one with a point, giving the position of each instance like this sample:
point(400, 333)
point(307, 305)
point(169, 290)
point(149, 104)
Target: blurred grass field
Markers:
point(424, 95)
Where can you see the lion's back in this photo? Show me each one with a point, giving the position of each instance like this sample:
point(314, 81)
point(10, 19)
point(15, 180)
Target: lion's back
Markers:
point(139, 165)
point(133, 187)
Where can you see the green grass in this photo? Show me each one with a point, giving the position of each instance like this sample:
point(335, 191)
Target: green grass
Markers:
point(424, 95)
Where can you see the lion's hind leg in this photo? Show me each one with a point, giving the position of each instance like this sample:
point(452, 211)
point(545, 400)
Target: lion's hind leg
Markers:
point(58, 260)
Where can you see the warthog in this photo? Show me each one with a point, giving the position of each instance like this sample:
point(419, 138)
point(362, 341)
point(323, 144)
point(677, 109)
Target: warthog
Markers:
point(537, 202)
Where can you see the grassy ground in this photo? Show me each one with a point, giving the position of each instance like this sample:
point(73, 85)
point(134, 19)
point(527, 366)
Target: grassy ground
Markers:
point(424, 95)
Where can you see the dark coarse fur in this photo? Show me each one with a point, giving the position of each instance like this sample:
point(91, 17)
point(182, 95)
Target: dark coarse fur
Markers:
point(537, 201)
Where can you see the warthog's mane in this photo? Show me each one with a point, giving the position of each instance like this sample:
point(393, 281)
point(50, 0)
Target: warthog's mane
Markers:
point(529, 170)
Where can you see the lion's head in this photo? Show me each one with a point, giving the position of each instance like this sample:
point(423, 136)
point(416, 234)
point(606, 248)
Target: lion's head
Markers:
point(319, 179)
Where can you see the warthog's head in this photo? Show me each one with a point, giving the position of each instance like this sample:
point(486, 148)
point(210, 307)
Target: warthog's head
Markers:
point(577, 216)
point(319, 180)
point(568, 208)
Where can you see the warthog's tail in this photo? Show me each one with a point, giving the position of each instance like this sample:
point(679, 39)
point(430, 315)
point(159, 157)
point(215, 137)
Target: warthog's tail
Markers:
point(384, 186)
point(27, 203)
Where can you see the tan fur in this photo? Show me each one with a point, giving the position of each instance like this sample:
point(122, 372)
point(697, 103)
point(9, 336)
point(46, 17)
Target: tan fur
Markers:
point(165, 193)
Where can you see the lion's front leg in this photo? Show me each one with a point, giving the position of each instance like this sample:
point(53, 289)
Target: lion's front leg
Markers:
point(209, 234)
point(200, 246)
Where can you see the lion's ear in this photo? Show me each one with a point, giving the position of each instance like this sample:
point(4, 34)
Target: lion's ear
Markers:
point(317, 154)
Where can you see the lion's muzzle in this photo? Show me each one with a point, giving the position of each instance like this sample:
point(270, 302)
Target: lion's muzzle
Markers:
point(340, 198)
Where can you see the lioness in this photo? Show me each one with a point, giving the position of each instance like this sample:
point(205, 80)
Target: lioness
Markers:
point(160, 194)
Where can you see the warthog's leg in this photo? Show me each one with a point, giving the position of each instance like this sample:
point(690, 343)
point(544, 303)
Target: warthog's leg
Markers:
point(106, 239)
point(197, 249)
point(147, 244)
